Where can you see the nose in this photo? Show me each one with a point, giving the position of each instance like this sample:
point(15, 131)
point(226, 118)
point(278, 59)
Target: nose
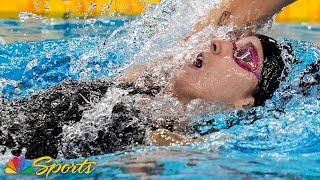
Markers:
point(215, 46)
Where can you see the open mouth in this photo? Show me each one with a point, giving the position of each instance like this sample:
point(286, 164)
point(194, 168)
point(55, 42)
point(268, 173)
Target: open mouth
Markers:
point(198, 61)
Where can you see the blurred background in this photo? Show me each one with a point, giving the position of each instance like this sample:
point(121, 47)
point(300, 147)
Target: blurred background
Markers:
point(307, 11)
point(33, 20)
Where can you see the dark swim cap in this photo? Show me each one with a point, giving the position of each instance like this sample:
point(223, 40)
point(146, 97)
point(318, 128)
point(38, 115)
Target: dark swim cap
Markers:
point(272, 70)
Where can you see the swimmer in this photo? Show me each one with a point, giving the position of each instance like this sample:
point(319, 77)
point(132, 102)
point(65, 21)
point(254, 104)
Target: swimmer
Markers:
point(237, 74)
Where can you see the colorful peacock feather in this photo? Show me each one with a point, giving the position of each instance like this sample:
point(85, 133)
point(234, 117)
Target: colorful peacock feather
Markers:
point(18, 165)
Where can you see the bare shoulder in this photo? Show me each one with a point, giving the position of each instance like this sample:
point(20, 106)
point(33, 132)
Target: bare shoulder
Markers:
point(164, 137)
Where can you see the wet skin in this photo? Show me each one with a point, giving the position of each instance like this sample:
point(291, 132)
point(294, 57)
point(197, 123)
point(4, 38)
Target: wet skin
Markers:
point(213, 75)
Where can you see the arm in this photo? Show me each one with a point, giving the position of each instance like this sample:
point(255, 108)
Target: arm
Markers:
point(243, 12)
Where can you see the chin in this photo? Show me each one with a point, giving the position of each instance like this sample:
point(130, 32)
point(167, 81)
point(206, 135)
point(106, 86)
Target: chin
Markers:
point(178, 89)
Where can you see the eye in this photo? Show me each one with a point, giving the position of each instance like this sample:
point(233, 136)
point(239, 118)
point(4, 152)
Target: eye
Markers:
point(198, 62)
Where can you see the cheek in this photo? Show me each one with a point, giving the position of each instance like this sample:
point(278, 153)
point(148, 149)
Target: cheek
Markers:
point(222, 70)
point(233, 71)
point(242, 84)
point(228, 80)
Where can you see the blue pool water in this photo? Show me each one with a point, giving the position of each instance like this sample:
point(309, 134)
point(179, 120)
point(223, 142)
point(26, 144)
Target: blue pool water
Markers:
point(283, 143)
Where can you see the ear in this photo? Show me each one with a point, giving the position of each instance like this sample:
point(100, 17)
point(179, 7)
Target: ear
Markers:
point(244, 103)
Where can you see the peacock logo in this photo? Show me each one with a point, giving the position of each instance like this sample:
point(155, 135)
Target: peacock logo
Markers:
point(18, 165)
point(44, 166)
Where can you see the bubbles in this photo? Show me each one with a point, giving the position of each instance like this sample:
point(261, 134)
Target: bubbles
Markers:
point(32, 64)
point(25, 16)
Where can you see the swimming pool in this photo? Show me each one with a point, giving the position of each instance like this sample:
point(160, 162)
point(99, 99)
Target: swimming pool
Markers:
point(37, 54)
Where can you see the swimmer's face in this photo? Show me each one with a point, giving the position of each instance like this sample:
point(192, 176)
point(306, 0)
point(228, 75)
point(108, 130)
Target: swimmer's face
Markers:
point(216, 75)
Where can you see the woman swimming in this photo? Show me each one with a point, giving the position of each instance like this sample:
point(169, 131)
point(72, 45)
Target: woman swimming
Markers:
point(65, 120)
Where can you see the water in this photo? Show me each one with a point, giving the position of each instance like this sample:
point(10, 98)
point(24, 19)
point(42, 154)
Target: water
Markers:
point(283, 142)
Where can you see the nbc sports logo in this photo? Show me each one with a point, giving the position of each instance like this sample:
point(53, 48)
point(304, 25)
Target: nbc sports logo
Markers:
point(44, 166)
point(18, 165)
